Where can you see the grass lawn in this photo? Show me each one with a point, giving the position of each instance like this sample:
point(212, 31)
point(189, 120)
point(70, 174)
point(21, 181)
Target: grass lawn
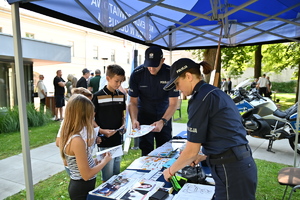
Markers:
point(56, 186)
point(38, 136)
point(286, 99)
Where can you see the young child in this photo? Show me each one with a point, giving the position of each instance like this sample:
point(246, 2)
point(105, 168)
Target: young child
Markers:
point(109, 115)
point(74, 148)
point(89, 95)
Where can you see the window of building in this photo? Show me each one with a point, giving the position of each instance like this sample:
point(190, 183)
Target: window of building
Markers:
point(140, 59)
point(95, 53)
point(29, 35)
point(113, 56)
point(128, 58)
point(71, 44)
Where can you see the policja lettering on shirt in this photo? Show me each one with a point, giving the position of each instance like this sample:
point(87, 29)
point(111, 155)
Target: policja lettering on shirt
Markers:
point(192, 130)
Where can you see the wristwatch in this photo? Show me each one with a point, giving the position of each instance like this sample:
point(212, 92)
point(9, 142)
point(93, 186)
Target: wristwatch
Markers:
point(165, 121)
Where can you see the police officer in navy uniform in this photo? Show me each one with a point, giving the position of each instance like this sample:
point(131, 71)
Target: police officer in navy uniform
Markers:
point(215, 125)
point(149, 103)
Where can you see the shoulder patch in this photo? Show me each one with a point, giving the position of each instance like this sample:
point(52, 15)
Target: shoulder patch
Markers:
point(167, 67)
point(139, 69)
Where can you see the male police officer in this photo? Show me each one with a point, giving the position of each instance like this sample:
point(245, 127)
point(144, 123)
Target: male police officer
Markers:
point(149, 103)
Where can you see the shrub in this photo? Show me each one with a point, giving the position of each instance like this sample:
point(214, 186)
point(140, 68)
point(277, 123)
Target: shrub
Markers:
point(284, 87)
point(9, 120)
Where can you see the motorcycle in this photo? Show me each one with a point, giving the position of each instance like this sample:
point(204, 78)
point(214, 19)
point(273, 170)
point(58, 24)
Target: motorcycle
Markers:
point(262, 119)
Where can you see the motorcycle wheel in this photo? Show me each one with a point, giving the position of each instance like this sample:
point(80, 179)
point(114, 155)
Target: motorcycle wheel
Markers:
point(292, 144)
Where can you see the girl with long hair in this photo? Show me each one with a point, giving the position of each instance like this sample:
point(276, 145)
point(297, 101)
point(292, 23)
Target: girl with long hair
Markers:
point(77, 135)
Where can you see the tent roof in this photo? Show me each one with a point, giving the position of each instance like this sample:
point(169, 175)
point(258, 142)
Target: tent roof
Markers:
point(177, 24)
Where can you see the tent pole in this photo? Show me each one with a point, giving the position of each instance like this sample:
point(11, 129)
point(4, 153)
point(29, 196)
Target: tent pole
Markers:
point(21, 100)
point(217, 74)
point(297, 129)
point(135, 65)
point(170, 44)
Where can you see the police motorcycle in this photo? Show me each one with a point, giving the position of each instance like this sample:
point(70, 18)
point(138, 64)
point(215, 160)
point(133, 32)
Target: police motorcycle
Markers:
point(262, 119)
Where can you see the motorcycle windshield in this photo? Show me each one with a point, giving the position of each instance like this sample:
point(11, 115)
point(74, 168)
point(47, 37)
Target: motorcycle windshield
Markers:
point(243, 84)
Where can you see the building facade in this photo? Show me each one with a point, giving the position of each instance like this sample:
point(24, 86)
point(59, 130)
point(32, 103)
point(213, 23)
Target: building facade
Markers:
point(50, 45)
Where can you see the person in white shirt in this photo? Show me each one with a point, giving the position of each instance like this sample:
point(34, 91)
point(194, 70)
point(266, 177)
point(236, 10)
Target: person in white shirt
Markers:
point(263, 85)
point(224, 86)
point(42, 92)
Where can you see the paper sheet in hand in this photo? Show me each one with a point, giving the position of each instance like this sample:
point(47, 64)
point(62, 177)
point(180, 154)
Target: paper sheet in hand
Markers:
point(143, 131)
point(114, 151)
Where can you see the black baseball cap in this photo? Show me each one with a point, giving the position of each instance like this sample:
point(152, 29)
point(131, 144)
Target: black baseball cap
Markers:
point(153, 56)
point(178, 68)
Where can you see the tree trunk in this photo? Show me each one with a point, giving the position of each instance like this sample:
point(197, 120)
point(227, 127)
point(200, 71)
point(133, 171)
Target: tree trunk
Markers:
point(257, 65)
point(210, 57)
point(297, 92)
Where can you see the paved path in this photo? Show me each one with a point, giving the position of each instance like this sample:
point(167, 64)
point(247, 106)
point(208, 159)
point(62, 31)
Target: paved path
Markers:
point(46, 162)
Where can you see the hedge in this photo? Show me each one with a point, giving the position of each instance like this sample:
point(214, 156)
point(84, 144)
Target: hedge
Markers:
point(284, 87)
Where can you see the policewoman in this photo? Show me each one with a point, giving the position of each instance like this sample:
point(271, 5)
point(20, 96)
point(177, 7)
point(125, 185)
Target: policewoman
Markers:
point(215, 124)
point(149, 103)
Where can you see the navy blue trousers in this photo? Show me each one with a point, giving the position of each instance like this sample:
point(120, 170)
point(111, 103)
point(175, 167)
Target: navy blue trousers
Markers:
point(146, 142)
point(236, 180)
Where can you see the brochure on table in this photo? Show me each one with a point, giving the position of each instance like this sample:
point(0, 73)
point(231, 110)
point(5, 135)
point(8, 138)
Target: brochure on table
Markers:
point(129, 184)
point(192, 191)
point(148, 163)
point(169, 149)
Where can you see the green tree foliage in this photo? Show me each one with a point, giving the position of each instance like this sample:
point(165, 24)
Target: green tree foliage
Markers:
point(278, 57)
point(236, 60)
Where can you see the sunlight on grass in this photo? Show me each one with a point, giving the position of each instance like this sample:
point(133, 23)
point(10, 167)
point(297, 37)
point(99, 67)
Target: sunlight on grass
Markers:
point(286, 99)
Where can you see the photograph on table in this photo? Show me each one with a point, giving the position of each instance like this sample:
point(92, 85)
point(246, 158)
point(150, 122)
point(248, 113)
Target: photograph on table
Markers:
point(145, 185)
point(115, 186)
point(142, 189)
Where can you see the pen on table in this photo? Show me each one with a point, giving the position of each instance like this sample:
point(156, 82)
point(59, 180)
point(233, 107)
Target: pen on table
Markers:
point(175, 150)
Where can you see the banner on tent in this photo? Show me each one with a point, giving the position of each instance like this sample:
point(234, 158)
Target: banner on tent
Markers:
point(110, 15)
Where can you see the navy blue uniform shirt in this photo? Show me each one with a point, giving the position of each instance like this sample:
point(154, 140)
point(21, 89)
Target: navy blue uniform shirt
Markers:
point(152, 98)
point(214, 120)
